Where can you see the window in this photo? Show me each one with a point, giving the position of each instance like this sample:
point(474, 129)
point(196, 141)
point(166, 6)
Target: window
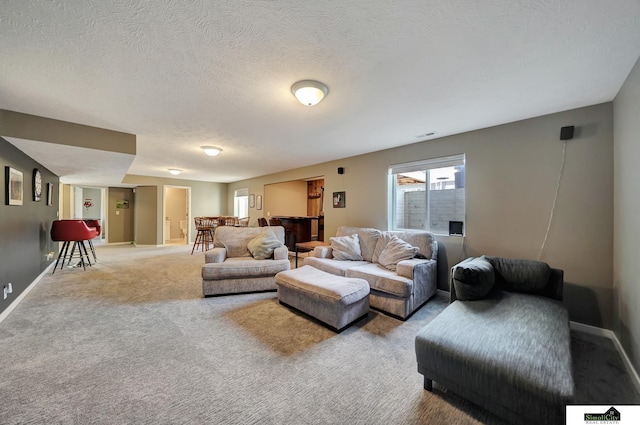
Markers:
point(241, 203)
point(428, 194)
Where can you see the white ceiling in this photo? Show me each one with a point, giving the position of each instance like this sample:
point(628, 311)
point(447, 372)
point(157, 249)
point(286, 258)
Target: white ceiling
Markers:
point(182, 74)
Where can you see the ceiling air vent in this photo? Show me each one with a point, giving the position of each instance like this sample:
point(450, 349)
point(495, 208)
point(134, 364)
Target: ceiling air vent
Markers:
point(426, 135)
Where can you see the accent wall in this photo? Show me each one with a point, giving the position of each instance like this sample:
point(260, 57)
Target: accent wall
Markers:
point(25, 229)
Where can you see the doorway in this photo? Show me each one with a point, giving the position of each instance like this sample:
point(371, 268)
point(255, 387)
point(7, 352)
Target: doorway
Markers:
point(89, 204)
point(177, 207)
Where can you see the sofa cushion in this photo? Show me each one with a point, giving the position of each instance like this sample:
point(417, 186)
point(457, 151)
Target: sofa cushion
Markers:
point(520, 275)
point(368, 238)
point(473, 279)
point(243, 267)
point(262, 246)
point(332, 266)
point(396, 251)
point(346, 248)
point(382, 280)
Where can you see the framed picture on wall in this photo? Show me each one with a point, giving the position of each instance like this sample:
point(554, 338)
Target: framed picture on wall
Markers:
point(339, 200)
point(14, 186)
point(49, 194)
point(252, 201)
point(122, 203)
point(259, 202)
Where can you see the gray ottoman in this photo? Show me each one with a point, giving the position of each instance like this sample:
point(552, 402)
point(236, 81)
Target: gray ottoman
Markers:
point(336, 301)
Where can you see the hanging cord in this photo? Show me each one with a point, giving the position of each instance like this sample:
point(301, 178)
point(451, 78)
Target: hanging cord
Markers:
point(555, 199)
point(463, 249)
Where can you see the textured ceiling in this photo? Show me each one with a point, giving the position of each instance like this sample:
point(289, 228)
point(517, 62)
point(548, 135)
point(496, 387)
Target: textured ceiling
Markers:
point(181, 74)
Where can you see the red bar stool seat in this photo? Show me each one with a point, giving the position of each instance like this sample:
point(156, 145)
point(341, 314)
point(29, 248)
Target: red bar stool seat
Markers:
point(75, 231)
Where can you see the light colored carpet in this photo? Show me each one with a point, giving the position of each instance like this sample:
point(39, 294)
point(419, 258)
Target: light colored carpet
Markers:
point(132, 341)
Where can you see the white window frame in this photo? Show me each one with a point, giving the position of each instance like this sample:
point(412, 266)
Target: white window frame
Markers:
point(241, 203)
point(422, 165)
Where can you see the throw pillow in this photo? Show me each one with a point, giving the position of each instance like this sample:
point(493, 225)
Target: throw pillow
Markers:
point(396, 251)
point(346, 247)
point(520, 275)
point(381, 244)
point(473, 279)
point(262, 246)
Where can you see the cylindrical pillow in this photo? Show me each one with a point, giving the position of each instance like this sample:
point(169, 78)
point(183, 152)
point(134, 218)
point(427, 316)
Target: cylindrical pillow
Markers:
point(474, 279)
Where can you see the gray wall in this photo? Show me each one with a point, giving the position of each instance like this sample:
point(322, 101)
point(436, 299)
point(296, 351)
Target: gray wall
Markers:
point(24, 229)
point(626, 270)
point(511, 176)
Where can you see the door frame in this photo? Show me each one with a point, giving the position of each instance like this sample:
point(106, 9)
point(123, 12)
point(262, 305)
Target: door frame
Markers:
point(164, 211)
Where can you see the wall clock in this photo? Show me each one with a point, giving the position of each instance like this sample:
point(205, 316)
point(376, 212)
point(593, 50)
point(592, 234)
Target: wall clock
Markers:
point(37, 184)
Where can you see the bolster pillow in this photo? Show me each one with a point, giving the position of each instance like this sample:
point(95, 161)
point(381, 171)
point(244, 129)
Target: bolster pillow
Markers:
point(520, 275)
point(473, 279)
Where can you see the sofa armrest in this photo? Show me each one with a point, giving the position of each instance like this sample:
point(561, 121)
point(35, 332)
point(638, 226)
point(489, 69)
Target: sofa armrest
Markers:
point(405, 268)
point(215, 255)
point(322, 252)
point(556, 284)
point(281, 253)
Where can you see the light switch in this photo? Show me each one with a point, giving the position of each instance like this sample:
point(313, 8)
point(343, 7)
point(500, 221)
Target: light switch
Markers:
point(117, 212)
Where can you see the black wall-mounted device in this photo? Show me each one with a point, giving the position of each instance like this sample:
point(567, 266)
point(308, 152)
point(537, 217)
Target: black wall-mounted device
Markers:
point(566, 133)
point(455, 228)
point(340, 170)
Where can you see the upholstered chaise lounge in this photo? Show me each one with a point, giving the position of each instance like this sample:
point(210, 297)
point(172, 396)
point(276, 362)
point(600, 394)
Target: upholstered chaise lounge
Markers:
point(401, 279)
point(503, 342)
point(230, 267)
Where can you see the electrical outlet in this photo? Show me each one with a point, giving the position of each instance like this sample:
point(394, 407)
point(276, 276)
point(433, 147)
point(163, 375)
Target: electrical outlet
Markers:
point(50, 256)
point(5, 294)
point(9, 288)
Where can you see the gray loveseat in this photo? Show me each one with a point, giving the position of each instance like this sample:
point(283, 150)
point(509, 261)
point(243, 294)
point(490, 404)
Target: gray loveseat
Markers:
point(398, 293)
point(503, 342)
point(230, 268)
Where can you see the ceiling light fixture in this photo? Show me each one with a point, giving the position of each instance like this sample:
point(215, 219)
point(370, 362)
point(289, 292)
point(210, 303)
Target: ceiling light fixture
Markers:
point(175, 171)
point(211, 150)
point(309, 92)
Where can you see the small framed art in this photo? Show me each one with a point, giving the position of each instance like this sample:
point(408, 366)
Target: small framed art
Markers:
point(252, 201)
point(259, 202)
point(14, 186)
point(49, 194)
point(339, 200)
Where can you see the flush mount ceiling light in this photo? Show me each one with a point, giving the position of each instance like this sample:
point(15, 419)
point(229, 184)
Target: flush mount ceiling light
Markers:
point(309, 92)
point(175, 171)
point(211, 150)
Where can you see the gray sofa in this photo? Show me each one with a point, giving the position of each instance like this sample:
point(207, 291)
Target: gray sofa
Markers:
point(230, 268)
point(398, 293)
point(503, 342)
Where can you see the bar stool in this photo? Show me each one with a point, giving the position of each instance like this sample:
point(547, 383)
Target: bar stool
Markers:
point(75, 231)
point(96, 225)
point(204, 236)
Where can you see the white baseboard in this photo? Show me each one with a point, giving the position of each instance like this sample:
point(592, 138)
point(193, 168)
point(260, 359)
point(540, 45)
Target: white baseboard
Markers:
point(635, 379)
point(24, 293)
